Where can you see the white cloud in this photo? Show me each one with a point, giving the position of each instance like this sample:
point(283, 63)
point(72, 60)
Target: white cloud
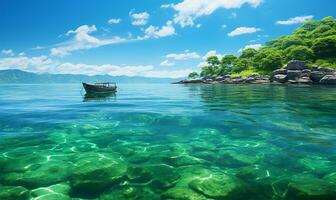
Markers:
point(211, 53)
point(167, 63)
point(114, 21)
point(167, 5)
point(44, 64)
point(116, 70)
point(26, 63)
point(202, 64)
point(243, 30)
point(251, 46)
point(198, 25)
point(38, 48)
point(224, 26)
point(295, 20)
point(189, 10)
point(8, 52)
point(83, 40)
point(156, 32)
point(139, 19)
point(184, 56)
point(207, 55)
point(22, 54)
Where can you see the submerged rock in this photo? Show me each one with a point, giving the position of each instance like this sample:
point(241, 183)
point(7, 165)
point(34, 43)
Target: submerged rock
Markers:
point(60, 191)
point(310, 188)
point(164, 176)
point(180, 193)
point(139, 175)
point(13, 193)
point(95, 173)
point(47, 174)
point(183, 160)
point(218, 186)
point(234, 159)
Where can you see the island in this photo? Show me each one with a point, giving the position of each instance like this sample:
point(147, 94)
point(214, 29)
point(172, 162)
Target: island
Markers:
point(308, 56)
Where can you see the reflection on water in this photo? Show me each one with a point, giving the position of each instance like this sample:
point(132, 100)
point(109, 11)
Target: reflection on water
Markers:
point(106, 96)
point(168, 142)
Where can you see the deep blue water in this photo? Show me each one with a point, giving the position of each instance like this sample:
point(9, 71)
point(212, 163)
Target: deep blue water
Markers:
point(162, 141)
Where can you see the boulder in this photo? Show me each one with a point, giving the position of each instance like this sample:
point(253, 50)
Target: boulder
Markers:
point(307, 187)
point(316, 76)
point(219, 78)
point(46, 174)
point(304, 80)
point(94, 173)
point(296, 65)
point(13, 193)
point(281, 78)
point(164, 176)
point(293, 74)
point(279, 71)
point(328, 80)
point(217, 186)
point(305, 73)
point(182, 194)
point(190, 81)
point(60, 190)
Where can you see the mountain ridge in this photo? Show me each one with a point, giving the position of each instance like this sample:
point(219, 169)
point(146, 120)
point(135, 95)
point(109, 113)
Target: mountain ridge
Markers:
point(14, 76)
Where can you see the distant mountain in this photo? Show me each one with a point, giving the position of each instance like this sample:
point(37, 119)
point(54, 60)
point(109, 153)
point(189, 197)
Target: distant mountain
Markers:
point(18, 76)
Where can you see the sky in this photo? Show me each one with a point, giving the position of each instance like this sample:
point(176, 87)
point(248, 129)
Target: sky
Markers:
point(150, 38)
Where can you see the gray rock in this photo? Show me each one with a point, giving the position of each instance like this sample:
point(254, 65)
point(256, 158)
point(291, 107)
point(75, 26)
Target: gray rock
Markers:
point(316, 76)
point(281, 78)
point(305, 73)
point(293, 74)
point(296, 65)
point(304, 80)
point(279, 71)
point(328, 80)
point(219, 78)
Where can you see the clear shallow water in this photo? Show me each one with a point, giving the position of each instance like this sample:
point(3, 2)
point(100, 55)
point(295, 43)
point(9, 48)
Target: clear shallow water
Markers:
point(168, 142)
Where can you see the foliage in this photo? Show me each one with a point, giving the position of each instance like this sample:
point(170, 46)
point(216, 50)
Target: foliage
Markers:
point(299, 53)
point(314, 41)
point(193, 75)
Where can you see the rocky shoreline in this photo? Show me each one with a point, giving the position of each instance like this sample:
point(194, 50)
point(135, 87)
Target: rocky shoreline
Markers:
point(295, 72)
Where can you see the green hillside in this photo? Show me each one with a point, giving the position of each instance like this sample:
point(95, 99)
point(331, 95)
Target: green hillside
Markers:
point(314, 42)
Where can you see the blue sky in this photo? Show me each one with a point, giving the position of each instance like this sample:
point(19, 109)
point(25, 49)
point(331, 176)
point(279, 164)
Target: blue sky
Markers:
point(149, 38)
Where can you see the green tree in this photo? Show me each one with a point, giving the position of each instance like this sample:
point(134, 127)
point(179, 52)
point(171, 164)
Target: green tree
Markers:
point(193, 75)
point(299, 53)
point(241, 65)
point(207, 71)
point(213, 61)
point(291, 41)
point(271, 62)
point(325, 47)
point(248, 53)
point(226, 63)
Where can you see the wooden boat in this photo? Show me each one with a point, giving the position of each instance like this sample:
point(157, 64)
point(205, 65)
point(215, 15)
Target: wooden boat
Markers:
point(107, 87)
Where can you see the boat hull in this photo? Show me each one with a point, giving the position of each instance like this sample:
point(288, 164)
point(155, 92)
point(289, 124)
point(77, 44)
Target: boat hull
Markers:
point(98, 89)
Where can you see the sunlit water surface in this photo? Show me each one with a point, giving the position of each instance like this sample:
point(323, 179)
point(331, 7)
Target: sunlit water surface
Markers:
point(162, 141)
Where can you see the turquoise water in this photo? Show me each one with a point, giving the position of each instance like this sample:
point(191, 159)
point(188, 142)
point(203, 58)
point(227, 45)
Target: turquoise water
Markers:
point(165, 141)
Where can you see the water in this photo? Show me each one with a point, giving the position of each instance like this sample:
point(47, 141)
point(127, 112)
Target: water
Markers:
point(164, 141)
